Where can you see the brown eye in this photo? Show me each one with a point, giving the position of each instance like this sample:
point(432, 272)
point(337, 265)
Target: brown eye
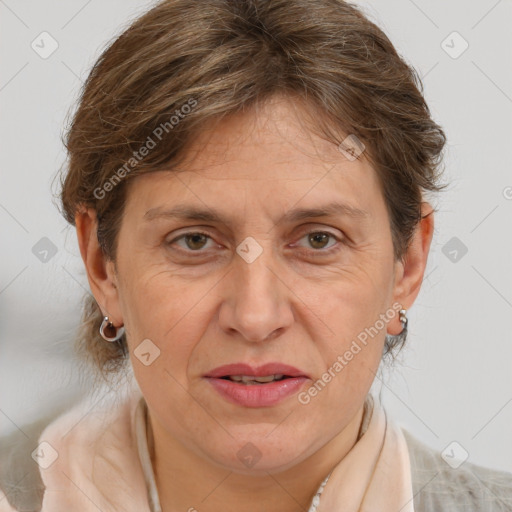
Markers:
point(319, 240)
point(195, 241)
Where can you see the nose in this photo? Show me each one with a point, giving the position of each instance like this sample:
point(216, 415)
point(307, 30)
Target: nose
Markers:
point(256, 302)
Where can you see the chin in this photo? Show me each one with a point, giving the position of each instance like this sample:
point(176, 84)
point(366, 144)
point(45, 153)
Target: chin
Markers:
point(259, 455)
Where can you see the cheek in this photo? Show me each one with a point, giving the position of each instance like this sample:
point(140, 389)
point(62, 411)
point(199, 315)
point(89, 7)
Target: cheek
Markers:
point(348, 307)
point(349, 352)
point(166, 310)
point(347, 299)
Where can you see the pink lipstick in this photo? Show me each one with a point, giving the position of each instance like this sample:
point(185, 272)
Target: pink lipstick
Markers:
point(261, 386)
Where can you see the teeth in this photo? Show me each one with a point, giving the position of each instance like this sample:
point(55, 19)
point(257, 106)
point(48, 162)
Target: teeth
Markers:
point(268, 378)
point(250, 379)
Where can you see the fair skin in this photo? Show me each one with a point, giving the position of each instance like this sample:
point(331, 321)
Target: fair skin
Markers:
point(205, 306)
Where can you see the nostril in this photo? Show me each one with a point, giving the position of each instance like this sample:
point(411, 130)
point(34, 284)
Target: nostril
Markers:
point(272, 334)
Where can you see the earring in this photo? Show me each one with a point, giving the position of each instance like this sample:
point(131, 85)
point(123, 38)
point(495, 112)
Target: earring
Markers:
point(113, 333)
point(403, 319)
point(393, 340)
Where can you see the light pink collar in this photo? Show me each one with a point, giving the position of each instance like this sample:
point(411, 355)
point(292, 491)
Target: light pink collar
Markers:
point(375, 475)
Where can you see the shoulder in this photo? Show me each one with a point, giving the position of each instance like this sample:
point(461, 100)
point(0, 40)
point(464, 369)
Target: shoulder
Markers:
point(437, 486)
point(21, 483)
point(21, 486)
point(93, 432)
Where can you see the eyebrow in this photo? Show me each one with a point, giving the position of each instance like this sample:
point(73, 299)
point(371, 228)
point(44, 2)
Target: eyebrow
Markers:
point(189, 212)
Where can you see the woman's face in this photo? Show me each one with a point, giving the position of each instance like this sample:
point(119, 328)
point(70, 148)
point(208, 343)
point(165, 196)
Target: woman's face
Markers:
point(259, 276)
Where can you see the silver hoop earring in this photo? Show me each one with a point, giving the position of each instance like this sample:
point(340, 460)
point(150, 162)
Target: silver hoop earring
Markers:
point(393, 340)
point(403, 319)
point(113, 333)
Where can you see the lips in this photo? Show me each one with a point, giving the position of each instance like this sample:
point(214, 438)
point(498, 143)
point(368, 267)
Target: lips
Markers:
point(262, 386)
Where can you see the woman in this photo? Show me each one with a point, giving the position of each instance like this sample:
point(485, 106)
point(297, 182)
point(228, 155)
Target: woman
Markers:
point(247, 180)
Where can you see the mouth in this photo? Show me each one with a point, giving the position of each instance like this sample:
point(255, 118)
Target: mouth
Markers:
point(261, 386)
point(250, 380)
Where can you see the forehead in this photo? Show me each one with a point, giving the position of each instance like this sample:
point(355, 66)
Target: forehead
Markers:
point(279, 133)
point(269, 154)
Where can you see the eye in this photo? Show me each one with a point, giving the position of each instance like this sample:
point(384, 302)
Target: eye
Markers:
point(319, 240)
point(192, 241)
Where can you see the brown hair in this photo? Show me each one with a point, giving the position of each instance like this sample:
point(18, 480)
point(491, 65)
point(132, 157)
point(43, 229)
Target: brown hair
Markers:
point(219, 57)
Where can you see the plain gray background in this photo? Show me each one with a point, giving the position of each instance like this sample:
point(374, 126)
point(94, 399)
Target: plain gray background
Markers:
point(453, 381)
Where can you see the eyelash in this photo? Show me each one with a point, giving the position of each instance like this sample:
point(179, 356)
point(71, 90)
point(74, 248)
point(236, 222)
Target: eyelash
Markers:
point(314, 252)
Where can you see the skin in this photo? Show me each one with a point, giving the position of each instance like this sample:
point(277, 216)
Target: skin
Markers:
point(293, 304)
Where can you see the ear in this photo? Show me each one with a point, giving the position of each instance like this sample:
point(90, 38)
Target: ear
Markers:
point(409, 272)
point(101, 271)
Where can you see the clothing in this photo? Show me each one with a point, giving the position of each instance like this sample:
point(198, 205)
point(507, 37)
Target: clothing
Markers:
point(387, 469)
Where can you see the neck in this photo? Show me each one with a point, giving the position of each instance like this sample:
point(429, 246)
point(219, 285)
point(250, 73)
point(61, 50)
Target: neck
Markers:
point(187, 482)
